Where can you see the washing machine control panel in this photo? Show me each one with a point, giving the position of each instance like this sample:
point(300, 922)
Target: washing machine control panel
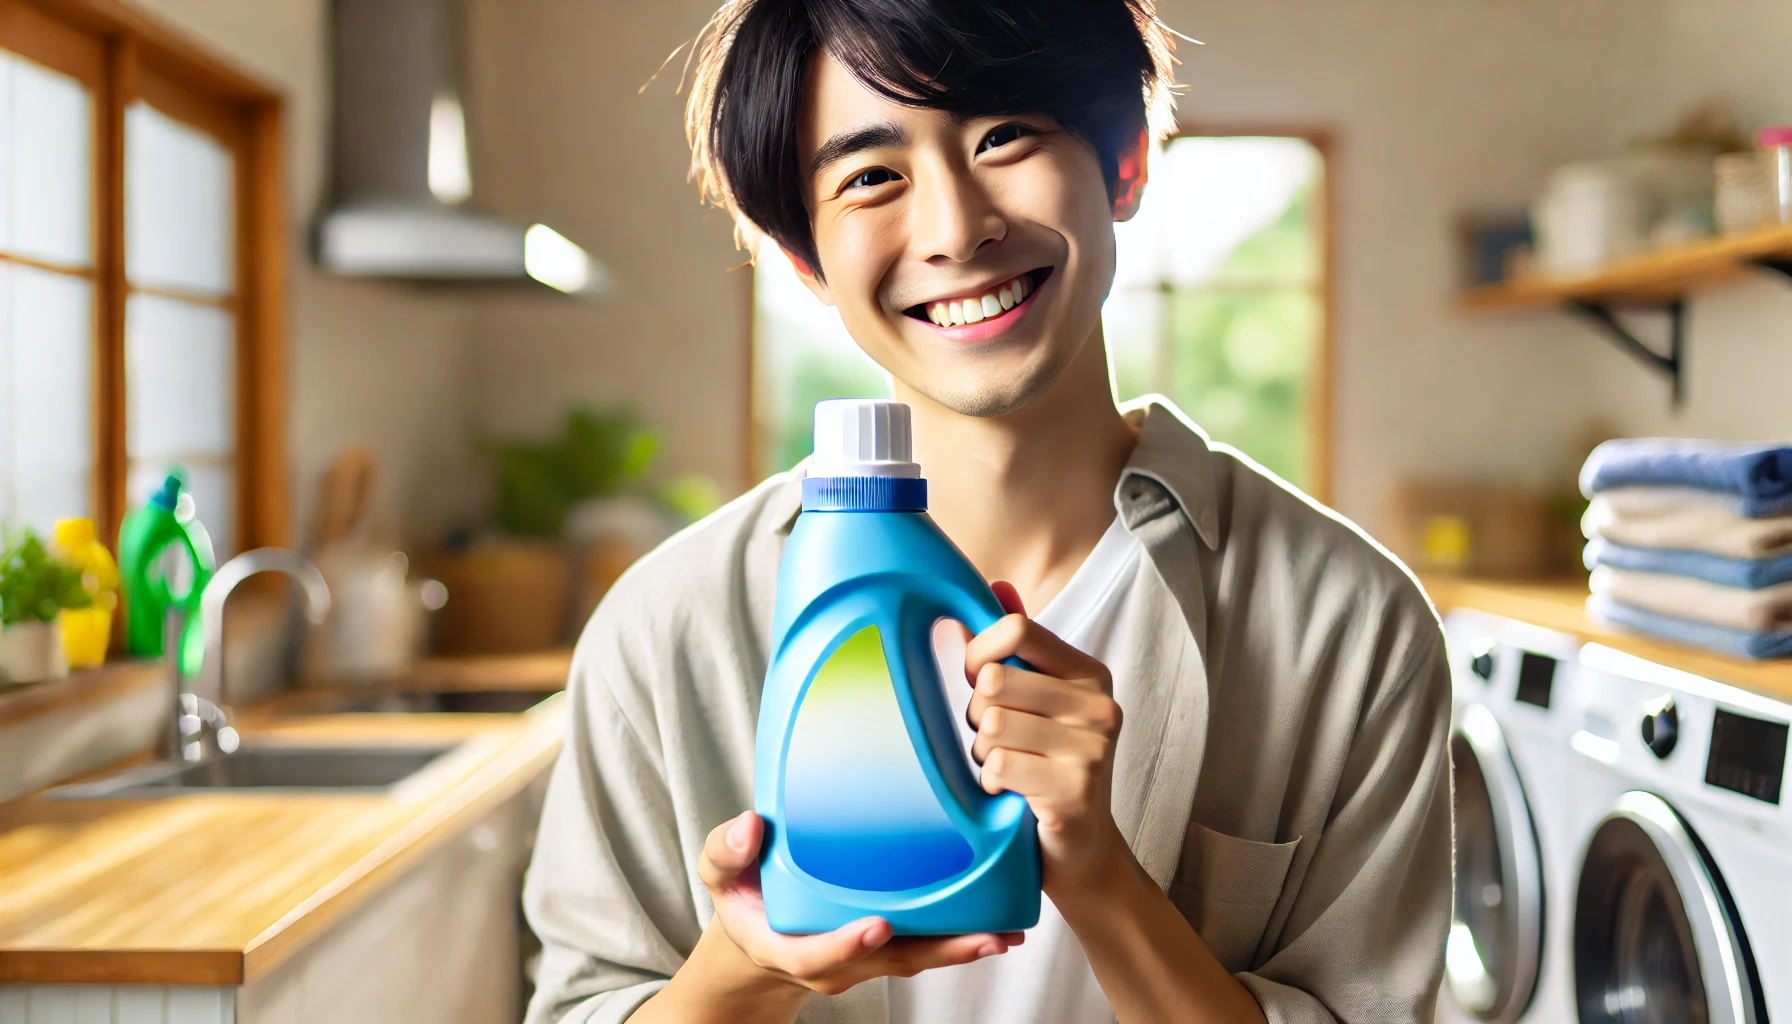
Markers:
point(1748, 755)
point(1661, 727)
point(1536, 679)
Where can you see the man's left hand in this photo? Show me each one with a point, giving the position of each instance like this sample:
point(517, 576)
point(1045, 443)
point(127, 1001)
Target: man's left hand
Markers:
point(1049, 735)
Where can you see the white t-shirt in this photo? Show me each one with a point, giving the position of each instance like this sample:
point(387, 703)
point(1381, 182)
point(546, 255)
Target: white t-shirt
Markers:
point(1048, 979)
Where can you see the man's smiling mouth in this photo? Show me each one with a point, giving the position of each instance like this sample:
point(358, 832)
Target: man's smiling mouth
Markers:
point(986, 305)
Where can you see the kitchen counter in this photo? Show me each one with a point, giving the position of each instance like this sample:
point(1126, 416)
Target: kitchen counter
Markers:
point(218, 889)
point(1561, 606)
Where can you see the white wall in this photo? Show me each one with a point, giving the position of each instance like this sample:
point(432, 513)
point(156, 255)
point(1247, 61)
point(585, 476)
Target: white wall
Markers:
point(1739, 339)
point(568, 137)
point(371, 364)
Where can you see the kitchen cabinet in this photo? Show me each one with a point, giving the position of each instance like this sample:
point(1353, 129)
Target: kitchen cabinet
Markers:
point(440, 944)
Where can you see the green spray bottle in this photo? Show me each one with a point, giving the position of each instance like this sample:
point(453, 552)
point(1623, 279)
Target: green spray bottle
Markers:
point(164, 528)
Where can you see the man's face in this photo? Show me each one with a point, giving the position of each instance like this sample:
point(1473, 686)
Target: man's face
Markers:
point(969, 258)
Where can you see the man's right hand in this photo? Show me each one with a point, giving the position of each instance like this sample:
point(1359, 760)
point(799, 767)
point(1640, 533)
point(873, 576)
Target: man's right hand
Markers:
point(740, 962)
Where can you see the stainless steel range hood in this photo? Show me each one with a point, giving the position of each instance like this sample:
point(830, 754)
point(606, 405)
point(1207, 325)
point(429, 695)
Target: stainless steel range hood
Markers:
point(401, 174)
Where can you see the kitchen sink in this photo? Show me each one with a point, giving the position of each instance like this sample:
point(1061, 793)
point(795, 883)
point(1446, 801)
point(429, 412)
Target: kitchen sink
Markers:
point(263, 770)
point(473, 702)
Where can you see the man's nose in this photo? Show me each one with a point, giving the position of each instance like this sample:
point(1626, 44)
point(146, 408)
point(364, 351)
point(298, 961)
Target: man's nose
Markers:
point(954, 218)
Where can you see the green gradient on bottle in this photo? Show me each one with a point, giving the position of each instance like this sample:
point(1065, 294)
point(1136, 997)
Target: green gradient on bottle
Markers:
point(858, 809)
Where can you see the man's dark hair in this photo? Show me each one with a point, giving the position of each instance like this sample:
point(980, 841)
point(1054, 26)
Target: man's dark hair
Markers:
point(1100, 68)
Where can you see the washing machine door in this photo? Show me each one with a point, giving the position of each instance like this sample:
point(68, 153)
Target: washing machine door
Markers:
point(1656, 937)
point(1496, 937)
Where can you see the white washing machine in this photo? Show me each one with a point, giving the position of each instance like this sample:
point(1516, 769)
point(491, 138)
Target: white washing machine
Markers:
point(1507, 959)
point(1680, 805)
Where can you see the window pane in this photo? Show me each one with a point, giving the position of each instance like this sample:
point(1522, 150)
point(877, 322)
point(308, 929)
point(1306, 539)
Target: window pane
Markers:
point(46, 420)
point(180, 374)
point(1222, 260)
point(1241, 370)
point(180, 195)
point(1134, 324)
point(46, 164)
point(801, 355)
point(212, 485)
point(1219, 210)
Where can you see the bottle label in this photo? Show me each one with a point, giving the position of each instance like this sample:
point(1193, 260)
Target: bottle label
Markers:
point(858, 810)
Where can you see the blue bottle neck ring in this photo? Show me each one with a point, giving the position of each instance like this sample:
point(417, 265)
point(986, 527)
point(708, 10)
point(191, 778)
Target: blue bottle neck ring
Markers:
point(864, 494)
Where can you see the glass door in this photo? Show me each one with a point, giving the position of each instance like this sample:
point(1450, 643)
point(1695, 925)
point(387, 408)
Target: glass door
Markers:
point(1656, 938)
point(1496, 937)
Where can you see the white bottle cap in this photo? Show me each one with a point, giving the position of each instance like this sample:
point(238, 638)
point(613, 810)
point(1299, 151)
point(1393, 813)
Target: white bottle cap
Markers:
point(861, 437)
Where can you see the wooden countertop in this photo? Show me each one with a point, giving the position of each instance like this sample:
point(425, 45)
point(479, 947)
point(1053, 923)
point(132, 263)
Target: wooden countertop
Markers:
point(1562, 607)
point(218, 889)
point(535, 670)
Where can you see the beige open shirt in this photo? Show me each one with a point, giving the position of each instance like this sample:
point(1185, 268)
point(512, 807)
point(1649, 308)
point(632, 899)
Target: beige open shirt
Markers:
point(1282, 773)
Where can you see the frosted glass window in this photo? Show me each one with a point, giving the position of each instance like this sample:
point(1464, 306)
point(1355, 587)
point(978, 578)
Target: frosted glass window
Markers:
point(180, 347)
point(180, 364)
point(180, 201)
point(46, 164)
point(46, 396)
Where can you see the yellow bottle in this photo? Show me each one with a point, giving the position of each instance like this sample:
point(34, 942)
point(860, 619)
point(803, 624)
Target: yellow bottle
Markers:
point(86, 632)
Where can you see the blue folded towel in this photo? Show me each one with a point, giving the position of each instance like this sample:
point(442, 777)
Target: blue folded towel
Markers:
point(1749, 574)
point(1761, 475)
point(1722, 639)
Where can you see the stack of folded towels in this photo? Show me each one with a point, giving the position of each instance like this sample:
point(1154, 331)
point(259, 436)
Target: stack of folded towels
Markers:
point(1692, 541)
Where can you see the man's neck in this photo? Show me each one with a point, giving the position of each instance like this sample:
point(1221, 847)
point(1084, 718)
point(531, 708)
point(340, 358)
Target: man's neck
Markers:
point(1027, 496)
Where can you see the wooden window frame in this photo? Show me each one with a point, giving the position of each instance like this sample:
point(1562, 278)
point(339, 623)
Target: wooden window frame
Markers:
point(123, 56)
point(1318, 463)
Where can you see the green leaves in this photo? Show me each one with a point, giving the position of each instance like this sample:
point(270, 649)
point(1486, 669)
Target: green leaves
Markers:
point(34, 584)
point(598, 453)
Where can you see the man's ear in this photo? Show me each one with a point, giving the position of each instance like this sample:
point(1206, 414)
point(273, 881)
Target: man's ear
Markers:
point(811, 280)
point(1129, 187)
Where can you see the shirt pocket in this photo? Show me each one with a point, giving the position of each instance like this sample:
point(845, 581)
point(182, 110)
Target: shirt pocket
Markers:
point(1227, 887)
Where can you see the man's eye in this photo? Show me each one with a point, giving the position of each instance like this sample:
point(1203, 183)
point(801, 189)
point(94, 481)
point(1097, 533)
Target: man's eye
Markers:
point(876, 176)
point(1001, 137)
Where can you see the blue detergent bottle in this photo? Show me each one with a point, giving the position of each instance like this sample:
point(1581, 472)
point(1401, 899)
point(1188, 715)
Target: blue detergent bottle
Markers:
point(871, 805)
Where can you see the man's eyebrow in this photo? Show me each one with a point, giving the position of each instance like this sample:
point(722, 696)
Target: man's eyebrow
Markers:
point(856, 139)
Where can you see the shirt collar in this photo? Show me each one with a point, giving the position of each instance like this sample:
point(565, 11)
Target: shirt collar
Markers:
point(1170, 450)
point(1176, 454)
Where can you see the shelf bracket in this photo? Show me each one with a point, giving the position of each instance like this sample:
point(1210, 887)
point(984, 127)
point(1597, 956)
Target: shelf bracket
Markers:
point(1780, 264)
point(1671, 365)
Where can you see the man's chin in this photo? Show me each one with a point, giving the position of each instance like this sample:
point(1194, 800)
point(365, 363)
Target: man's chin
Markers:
point(992, 396)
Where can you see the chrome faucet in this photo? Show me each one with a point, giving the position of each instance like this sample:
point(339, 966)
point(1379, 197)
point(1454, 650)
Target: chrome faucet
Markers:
point(202, 704)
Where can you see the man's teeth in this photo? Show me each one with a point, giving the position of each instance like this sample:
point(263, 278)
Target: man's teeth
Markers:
point(954, 312)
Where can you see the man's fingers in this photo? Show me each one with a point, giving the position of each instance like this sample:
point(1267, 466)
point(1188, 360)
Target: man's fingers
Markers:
point(1008, 596)
point(1016, 636)
point(730, 849)
point(1039, 779)
point(1031, 734)
point(1065, 700)
point(811, 958)
point(838, 960)
point(907, 957)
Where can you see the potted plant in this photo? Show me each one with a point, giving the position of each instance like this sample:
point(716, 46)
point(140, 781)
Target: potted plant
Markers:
point(511, 590)
point(35, 586)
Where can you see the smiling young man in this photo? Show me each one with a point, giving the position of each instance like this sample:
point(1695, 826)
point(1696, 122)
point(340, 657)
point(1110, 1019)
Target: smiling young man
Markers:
point(1268, 834)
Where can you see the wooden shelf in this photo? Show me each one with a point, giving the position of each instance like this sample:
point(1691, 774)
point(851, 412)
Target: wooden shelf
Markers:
point(1652, 279)
point(1563, 607)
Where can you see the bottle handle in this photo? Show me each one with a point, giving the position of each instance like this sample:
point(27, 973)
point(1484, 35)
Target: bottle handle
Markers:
point(957, 771)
